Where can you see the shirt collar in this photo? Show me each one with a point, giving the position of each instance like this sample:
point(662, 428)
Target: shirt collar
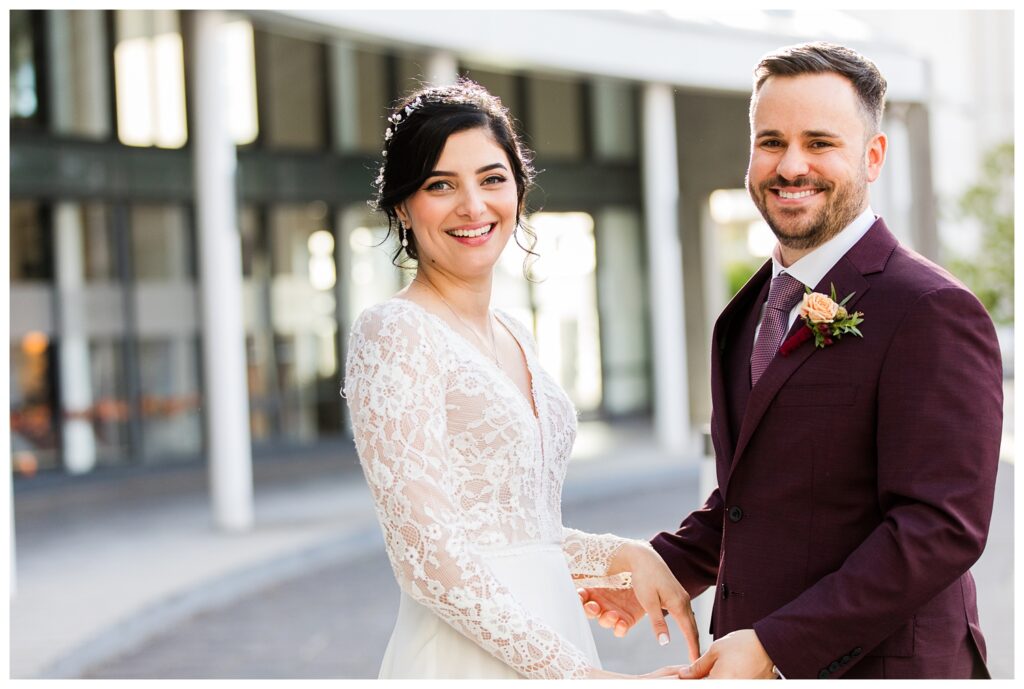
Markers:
point(812, 268)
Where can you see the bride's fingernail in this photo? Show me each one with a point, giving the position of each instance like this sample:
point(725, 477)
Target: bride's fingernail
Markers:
point(663, 638)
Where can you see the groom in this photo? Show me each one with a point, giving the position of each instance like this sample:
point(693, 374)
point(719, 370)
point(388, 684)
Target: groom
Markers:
point(855, 479)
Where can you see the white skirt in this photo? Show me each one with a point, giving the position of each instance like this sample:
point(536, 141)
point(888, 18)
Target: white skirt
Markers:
point(424, 646)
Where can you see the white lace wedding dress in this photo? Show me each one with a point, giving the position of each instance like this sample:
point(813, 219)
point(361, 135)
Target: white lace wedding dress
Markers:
point(467, 484)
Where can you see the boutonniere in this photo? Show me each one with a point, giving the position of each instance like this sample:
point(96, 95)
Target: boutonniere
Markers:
point(825, 320)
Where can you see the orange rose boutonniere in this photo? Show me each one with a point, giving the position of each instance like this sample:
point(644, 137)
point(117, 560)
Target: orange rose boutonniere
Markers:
point(825, 320)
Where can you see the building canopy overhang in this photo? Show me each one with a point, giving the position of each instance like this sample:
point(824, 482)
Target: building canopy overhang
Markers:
point(705, 50)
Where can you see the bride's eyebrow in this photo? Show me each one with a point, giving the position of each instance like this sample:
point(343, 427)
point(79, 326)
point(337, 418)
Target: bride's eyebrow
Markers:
point(485, 168)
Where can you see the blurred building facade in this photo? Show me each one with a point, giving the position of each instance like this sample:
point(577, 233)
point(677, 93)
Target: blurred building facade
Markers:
point(639, 123)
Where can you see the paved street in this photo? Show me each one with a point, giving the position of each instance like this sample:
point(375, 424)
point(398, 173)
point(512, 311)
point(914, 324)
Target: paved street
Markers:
point(335, 622)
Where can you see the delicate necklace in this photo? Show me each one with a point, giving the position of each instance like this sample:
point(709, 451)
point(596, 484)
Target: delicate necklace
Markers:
point(494, 348)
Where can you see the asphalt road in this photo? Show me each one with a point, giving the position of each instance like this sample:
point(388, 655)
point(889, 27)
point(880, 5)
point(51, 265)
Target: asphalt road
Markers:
point(335, 622)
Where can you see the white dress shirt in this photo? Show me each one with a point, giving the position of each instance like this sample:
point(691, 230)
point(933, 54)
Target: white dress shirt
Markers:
point(811, 268)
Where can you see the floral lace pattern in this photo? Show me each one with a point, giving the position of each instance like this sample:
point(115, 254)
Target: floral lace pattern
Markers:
point(458, 466)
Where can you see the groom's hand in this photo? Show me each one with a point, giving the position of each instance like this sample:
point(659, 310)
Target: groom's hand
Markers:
point(615, 609)
point(738, 655)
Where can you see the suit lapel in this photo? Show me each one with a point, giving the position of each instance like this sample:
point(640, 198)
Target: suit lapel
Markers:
point(867, 256)
point(730, 333)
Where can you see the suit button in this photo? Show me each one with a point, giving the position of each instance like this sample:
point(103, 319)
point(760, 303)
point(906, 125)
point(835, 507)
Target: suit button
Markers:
point(833, 667)
point(856, 652)
point(845, 660)
point(735, 514)
point(823, 674)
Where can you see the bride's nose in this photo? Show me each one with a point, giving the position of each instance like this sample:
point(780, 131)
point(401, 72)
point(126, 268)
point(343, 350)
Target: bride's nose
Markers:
point(471, 203)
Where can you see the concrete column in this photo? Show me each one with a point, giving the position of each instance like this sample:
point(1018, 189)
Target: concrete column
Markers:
point(664, 256)
point(442, 68)
point(78, 440)
point(892, 193)
point(220, 266)
point(926, 227)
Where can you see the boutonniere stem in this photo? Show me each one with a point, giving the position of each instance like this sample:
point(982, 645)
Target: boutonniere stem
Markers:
point(825, 320)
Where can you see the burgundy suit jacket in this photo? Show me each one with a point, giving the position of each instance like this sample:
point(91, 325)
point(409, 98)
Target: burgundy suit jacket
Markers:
point(855, 482)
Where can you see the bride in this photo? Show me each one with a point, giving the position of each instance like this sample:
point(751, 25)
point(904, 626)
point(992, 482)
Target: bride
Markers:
point(463, 438)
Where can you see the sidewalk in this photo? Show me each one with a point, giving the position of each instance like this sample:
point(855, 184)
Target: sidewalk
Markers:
point(104, 565)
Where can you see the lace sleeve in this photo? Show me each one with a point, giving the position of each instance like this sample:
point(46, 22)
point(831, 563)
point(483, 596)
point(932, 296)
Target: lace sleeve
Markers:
point(396, 393)
point(590, 555)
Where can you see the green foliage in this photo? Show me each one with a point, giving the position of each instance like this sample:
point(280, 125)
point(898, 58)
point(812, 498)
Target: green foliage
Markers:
point(990, 203)
point(738, 272)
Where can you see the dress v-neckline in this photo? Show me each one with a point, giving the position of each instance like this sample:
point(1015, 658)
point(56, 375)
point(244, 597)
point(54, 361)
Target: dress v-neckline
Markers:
point(532, 405)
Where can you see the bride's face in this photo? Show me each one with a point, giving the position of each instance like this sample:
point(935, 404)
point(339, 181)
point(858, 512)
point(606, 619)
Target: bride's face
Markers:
point(465, 212)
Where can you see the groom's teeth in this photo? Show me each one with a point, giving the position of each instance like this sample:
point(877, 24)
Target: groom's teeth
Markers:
point(797, 195)
point(472, 233)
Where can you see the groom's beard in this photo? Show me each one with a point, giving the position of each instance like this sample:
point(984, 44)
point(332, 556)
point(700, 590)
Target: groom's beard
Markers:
point(803, 230)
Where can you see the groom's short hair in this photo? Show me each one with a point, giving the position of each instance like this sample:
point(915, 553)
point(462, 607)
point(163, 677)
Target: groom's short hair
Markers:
point(820, 57)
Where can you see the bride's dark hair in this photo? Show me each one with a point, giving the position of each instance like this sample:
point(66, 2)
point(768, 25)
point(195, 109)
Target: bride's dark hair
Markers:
point(418, 128)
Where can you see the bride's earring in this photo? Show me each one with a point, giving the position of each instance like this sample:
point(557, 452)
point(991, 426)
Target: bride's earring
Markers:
point(403, 232)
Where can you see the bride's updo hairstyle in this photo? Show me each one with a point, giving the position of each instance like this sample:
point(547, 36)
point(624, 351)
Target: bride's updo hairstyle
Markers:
point(418, 129)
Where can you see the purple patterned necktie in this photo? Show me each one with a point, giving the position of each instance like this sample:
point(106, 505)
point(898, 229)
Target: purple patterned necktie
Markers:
point(785, 292)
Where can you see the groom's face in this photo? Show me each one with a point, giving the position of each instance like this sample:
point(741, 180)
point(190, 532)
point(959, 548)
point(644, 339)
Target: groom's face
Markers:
point(812, 156)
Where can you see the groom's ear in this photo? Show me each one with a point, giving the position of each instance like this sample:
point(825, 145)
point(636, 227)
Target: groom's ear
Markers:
point(874, 155)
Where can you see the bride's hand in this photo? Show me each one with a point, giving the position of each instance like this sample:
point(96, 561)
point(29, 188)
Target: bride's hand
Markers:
point(667, 672)
point(658, 590)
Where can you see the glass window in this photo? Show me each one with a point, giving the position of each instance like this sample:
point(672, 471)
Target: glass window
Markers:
point(374, 99)
point(561, 304)
point(169, 388)
point(86, 231)
point(622, 296)
point(303, 306)
point(78, 73)
point(259, 345)
point(613, 107)
point(33, 431)
point(110, 413)
point(31, 270)
point(30, 248)
point(503, 85)
point(555, 117)
point(262, 394)
point(149, 78)
point(410, 74)
point(292, 92)
point(366, 260)
point(161, 242)
point(24, 70)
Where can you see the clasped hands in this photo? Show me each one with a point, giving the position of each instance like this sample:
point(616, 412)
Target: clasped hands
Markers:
point(655, 591)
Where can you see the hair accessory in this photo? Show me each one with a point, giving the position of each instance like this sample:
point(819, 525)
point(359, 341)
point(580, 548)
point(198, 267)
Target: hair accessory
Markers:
point(396, 119)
